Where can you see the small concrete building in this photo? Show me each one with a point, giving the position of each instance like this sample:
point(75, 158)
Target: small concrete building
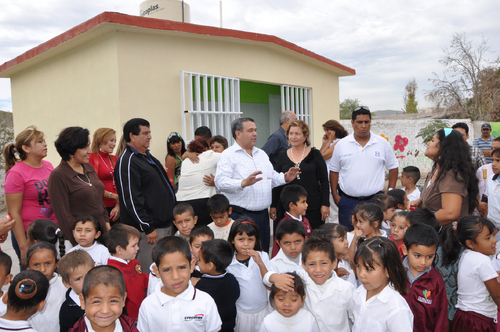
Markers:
point(179, 76)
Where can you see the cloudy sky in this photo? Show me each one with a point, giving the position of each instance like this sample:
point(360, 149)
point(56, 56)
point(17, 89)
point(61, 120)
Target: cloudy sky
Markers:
point(386, 42)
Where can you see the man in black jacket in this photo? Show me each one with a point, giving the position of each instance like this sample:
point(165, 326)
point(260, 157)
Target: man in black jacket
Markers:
point(146, 195)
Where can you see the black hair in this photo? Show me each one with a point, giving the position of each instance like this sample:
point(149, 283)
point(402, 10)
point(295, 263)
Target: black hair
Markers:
point(371, 212)
point(318, 244)
point(218, 252)
point(133, 126)
point(70, 262)
point(172, 140)
point(237, 125)
point(412, 172)
point(421, 234)
point(384, 201)
point(47, 230)
point(245, 224)
point(218, 203)
point(170, 245)
point(219, 139)
point(496, 152)
point(469, 227)
point(454, 156)
point(204, 132)
point(361, 110)
point(42, 245)
point(291, 193)
point(183, 207)
point(383, 252)
point(106, 275)
point(400, 214)
point(462, 125)
point(120, 235)
point(199, 231)
point(71, 139)
point(26, 291)
point(331, 228)
point(5, 262)
point(398, 195)
point(289, 227)
point(97, 225)
point(423, 216)
point(298, 287)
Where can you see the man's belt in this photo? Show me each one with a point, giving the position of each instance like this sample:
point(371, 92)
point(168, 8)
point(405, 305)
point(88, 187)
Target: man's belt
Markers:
point(361, 198)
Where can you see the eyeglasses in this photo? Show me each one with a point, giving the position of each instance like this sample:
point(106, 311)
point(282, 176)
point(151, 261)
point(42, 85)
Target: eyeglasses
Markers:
point(361, 108)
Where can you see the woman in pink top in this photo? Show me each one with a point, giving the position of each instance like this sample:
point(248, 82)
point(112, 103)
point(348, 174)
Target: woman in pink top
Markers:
point(26, 184)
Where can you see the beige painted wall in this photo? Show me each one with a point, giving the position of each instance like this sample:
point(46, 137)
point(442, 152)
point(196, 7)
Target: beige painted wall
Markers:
point(135, 72)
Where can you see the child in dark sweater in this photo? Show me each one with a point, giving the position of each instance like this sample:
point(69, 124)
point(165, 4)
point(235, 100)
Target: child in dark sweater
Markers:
point(214, 257)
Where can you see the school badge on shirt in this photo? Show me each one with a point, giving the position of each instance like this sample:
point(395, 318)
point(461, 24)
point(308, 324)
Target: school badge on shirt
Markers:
point(426, 299)
point(138, 268)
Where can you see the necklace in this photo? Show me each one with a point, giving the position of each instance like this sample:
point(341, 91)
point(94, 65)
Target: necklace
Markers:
point(297, 164)
point(78, 176)
point(110, 170)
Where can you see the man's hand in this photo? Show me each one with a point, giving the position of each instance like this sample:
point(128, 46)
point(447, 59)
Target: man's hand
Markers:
point(325, 212)
point(208, 180)
point(487, 153)
point(152, 237)
point(292, 174)
point(251, 179)
point(336, 199)
point(482, 208)
point(272, 213)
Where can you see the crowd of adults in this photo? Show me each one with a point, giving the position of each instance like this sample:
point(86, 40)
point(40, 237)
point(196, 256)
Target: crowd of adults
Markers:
point(134, 187)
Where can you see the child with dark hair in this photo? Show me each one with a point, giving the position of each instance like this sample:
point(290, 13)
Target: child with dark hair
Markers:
point(491, 197)
point(197, 236)
point(289, 314)
point(409, 178)
point(5, 277)
point(399, 225)
point(184, 220)
point(46, 230)
point(214, 258)
point(423, 216)
point(26, 297)
point(103, 299)
point(293, 198)
point(290, 237)
point(399, 196)
point(123, 245)
point(427, 296)
point(219, 209)
point(175, 304)
point(388, 205)
point(87, 233)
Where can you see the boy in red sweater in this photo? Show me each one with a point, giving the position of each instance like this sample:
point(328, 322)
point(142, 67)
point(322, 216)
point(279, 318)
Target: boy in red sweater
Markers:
point(427, 291)
point(123, 245)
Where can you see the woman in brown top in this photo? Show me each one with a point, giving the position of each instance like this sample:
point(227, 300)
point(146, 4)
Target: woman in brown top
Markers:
point(74, 187)
point(451, 188)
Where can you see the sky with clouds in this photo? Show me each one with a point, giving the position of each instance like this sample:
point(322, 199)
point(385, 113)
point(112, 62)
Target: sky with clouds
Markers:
point(386, 42)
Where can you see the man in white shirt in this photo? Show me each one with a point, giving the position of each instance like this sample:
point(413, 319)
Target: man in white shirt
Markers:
point(357, 166)
point(246, 177)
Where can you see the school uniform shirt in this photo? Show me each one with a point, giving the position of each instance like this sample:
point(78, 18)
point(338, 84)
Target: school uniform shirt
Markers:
point(253, 294)
point(97, 251)
point(46, 320)
point(492, 192)
point(136, 282)
point(70, 311)
point(473, 270)
point(221, 232)
point(386, 226)
point(281, 263)
point(192, 310)
point(3, 306)
point(351, 277)
point(122, 324)
point(153, 279)
point(15, 325)
point(302, 321)
point(427, 300)
point(386, 311)
point(415, 194)
point(302, 219)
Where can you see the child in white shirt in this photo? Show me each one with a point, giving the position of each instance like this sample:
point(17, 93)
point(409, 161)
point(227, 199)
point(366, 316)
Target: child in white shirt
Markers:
point(409, 178)
point(219, 209)
point(5, 277)
point(87, 233)
point(290, 236)
point(388, 205)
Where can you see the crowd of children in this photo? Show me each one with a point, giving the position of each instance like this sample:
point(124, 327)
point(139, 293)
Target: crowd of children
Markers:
point(393, 272)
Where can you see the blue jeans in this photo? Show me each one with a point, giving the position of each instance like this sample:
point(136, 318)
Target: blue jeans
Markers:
point(261, 218)
point(346, 207)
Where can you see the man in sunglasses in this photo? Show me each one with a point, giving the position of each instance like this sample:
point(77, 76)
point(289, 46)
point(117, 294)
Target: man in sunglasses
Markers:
point(357, 166)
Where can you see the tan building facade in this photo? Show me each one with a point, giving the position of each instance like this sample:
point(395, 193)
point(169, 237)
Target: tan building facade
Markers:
point(115, 67)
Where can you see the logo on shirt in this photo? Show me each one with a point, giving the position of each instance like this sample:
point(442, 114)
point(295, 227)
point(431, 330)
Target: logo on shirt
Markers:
point(425, 299)
point(198, 317)
point(377, 153)
point(347, 155)
point(138, 268)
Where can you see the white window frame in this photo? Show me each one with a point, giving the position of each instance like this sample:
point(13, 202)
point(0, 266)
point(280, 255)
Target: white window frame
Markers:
point(298, 100)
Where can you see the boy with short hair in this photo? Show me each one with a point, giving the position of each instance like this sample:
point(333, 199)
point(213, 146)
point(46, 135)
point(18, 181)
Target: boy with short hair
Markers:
point(215, 256)
point(290, 237)
point(423, 216)
point(219, 209)
point(294, 200)
point(103, 298)
point(184, 220)
point(490, 196)
point(409, 178)
point(427, 296)
point(5, 277)
point(123, 245)
point(328, 297)
point(175, 304)
point(72, 268)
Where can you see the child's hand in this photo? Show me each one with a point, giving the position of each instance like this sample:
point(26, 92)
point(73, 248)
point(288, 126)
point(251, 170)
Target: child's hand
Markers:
point(6, 224)
point(342, 272)
point(255, 255)
point(283, 281)
point(357, 234)
point(194, 261)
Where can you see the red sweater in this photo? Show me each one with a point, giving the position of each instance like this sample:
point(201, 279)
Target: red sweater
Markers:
point(399, 246)
point(428, 302)
point(304, 222)
point(128, 325)
point(136, 283)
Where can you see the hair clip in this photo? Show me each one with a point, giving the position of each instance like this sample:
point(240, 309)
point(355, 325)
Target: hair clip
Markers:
point(447, 131)
point(20, 286)
point(21, 289)
point(172, 134)
point(57, 231)
point(248, 222)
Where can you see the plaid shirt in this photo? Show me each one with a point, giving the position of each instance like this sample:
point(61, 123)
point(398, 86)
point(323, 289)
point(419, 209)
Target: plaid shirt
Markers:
point(477, 156)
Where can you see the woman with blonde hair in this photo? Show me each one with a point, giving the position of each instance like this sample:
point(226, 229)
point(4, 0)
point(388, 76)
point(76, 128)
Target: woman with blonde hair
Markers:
point(101, 158)
point(26, 184)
